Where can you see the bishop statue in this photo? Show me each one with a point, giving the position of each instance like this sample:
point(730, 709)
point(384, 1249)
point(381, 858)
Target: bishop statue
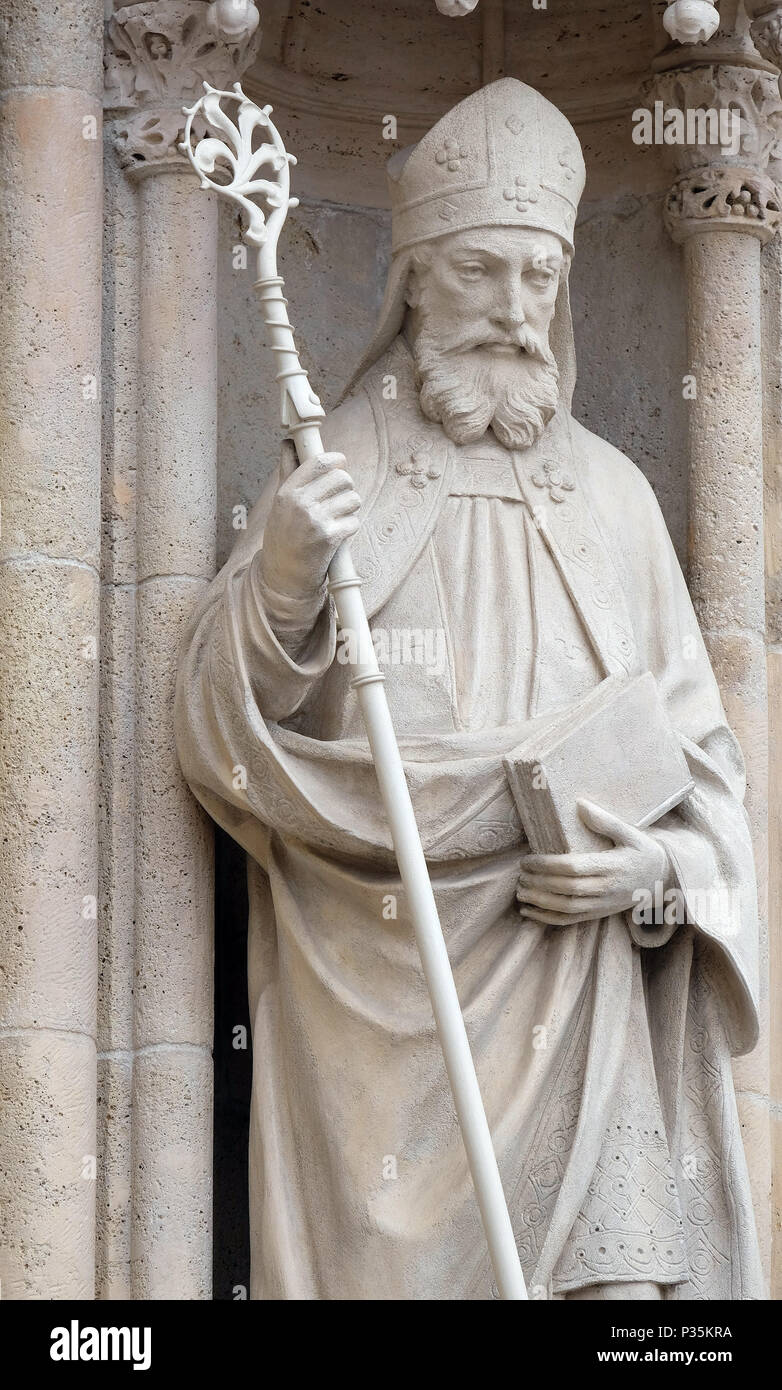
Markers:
point(511, 562)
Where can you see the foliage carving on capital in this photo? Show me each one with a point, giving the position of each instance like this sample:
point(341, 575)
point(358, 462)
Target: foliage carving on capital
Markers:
point(752, 94)
point(158, 54)
point(730, 185)
point(725, 197)
point(766, 31)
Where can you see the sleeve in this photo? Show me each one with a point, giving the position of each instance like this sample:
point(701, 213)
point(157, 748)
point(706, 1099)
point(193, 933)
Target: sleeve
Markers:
point(285, 645)
point(288, 646)
point(707, 838)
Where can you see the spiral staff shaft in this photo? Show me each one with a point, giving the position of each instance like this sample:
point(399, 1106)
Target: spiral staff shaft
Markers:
point(237, 153)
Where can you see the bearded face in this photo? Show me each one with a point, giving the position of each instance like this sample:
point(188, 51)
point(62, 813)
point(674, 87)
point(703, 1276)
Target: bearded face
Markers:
point(480, 310)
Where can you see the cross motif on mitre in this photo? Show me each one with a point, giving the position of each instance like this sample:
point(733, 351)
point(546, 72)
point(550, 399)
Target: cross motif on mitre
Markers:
point(450, 154)
point(522, 194)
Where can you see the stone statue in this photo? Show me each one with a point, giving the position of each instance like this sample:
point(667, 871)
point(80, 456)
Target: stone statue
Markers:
point(511, 561)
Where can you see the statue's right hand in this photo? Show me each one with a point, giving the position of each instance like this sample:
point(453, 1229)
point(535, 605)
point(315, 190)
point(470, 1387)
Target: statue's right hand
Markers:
point(313, 512)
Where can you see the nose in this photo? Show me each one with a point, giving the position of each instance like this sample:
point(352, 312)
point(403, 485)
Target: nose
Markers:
point(509, 312)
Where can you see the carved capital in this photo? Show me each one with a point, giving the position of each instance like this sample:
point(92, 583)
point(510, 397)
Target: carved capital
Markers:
point(725, 140)
point(724, 197)
point(158, 54)
point(750, 93)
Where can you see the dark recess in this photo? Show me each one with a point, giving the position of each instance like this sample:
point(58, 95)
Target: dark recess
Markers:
point(233, 1072)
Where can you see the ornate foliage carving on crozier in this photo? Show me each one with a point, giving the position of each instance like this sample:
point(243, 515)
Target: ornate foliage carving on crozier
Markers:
point(730, 186)
point(158, 56)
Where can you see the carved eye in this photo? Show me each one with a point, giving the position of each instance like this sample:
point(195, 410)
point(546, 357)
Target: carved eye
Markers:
point(541, 277)
point(472, 270)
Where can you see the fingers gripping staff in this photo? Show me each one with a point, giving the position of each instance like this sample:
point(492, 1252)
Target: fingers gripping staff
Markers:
point(230, 161)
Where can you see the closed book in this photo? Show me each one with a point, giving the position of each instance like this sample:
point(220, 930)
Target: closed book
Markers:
point(616, 747)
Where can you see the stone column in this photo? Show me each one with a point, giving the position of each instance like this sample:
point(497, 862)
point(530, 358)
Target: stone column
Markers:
point(159, 54)
point(724, 207)
point(772, 356)
point(116, 826)
point(766, 32)
point(50, 332)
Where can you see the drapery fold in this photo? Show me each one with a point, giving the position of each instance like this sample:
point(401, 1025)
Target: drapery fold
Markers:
point(360, 1187)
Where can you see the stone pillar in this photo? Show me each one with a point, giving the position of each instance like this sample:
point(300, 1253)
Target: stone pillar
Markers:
point(117, 907)
point(724, 207)
point(159, 54)
point(766, 32)
point(176, 520)
point(50, 330)
point(772, 356)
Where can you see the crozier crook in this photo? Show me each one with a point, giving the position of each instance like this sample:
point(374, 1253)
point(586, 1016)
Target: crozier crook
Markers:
point(234, 150)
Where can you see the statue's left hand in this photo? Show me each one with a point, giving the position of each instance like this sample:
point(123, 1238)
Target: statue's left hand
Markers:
point(559, 890)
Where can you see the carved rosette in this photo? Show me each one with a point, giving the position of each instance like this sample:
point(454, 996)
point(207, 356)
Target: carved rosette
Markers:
point(731, 187)
point(158, 55)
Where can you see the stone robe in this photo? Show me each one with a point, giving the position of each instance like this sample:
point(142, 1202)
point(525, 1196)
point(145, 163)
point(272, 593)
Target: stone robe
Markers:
point(602, 1049)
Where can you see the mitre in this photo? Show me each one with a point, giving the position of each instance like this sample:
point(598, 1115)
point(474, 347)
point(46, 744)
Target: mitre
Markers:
point(503, 157)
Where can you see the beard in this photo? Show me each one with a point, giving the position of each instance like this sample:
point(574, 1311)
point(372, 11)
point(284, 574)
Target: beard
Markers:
point(468, 390)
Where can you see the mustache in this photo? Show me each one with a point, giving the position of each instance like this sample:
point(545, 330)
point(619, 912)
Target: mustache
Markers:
point(524, 339)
